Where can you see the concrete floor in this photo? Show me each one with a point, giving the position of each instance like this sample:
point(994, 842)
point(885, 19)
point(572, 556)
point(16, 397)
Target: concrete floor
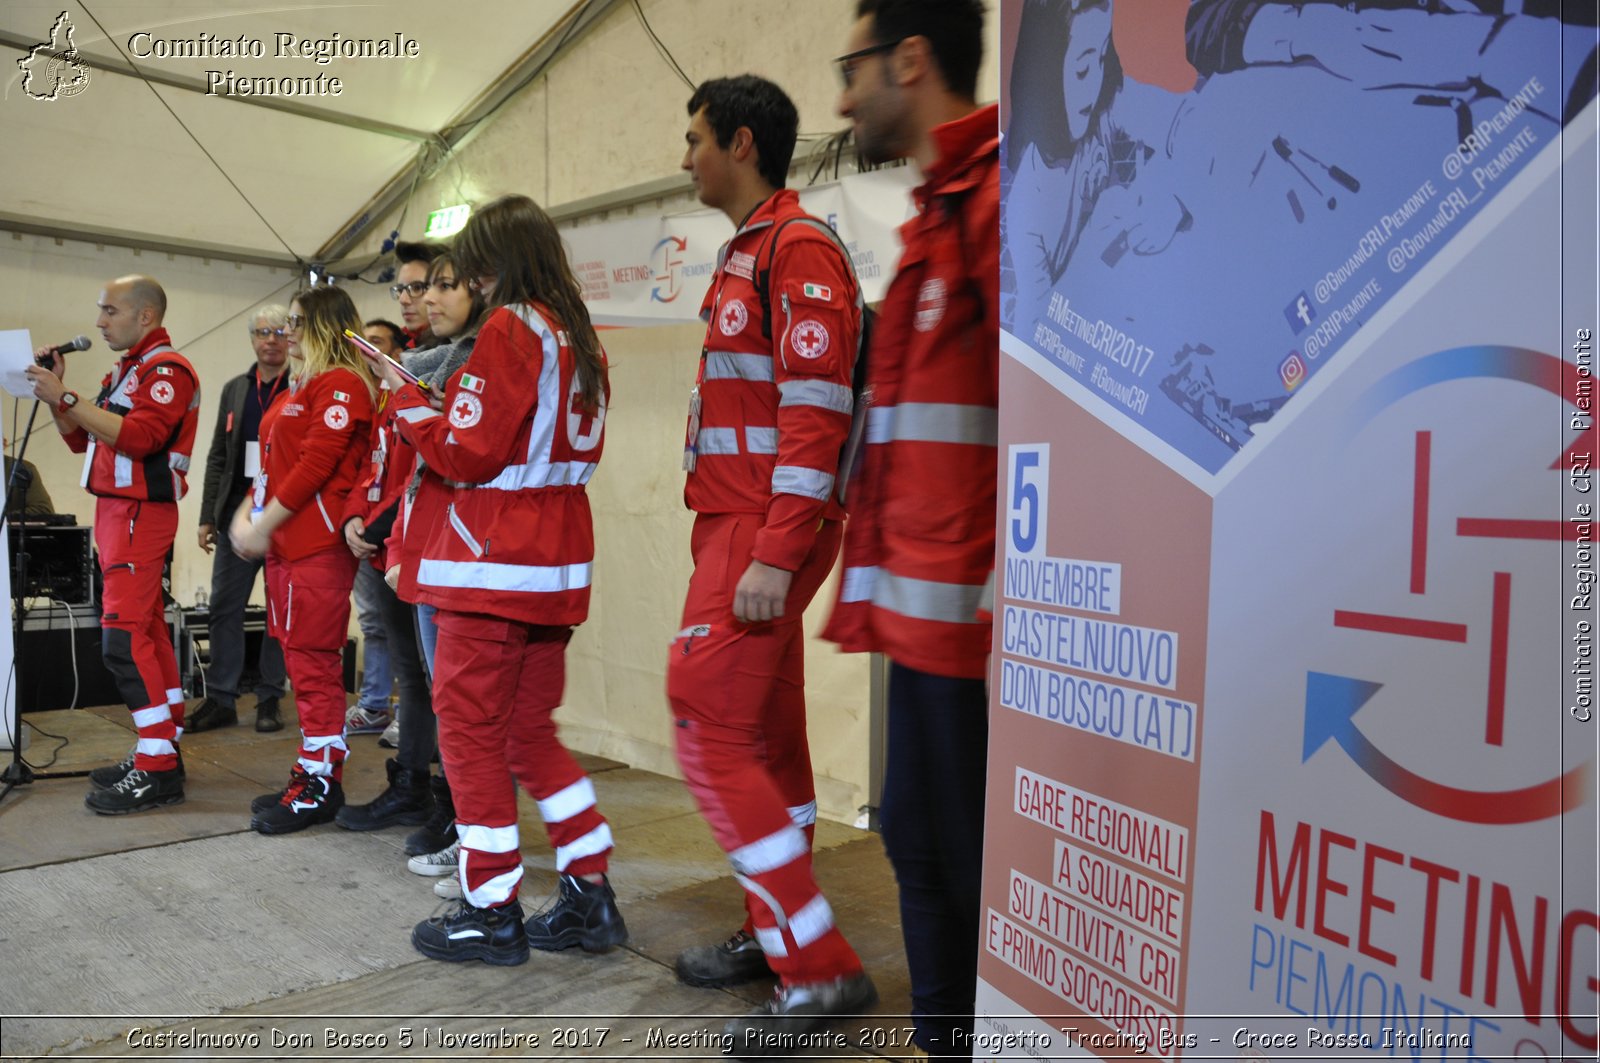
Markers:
point(120, 933)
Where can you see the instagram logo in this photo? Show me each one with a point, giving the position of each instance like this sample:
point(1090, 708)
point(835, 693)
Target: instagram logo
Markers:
point(1292, 372)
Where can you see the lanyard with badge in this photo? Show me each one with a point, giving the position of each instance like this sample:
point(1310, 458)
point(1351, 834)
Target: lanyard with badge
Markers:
point(252, 447)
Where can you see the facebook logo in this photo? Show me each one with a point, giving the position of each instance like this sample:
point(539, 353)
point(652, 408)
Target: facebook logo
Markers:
point(1300, 313)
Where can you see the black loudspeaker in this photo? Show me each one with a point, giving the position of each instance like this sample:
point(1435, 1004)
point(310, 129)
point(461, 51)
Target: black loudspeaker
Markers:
point(60, 563)
point(58, 651)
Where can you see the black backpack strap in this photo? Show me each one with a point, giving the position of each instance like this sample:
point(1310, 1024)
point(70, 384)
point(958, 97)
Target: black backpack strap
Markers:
point(763, 275)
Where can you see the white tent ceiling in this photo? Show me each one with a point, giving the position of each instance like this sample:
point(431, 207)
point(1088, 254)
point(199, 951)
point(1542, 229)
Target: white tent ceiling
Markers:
point(112, 162)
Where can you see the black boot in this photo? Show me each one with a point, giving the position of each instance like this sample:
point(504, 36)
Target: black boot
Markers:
point(107, 777)
point(137, 791)
point(406, 800)
point(584, 913)
point(440, 830)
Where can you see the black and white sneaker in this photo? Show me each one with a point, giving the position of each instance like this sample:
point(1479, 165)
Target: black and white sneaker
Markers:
point(307, 800)
point(137, 791)
point(732, 962)
point(108, 776)
point(462, 932)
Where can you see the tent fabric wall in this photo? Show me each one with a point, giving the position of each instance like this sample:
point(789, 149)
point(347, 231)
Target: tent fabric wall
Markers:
point(607, 115)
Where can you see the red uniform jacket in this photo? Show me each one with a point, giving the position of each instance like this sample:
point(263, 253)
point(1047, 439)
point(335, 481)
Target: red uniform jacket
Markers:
point(775, 410)
point(919, 549)
point(391, 461)
point(501, 523)
point(316, 435)
point(155, 391)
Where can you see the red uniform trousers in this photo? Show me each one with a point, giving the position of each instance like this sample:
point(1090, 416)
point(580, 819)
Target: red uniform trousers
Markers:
point(496, 686)
point(738, 697)
point(133, 538)
point(308, 612)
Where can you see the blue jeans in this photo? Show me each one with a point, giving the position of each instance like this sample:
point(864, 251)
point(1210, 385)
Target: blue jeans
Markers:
point(427, 635)
point(932, 811)
point(378, 681)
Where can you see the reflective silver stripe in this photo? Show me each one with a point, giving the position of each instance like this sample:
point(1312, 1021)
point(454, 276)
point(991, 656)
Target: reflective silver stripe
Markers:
point(921, 599)
point(725, 365)
point(835, 397)
point(568, 802)
point(783, 846)
point(484, 575)
point(759, 439)
point(178, 461)
point(803, 816)
point(325, 518)
point(717, 441)
point(155, 747)
point(594, 843)
point(754, 887)
point(417, 413)
point(538, 474)
point(313, 743)
point(494, 892)
point(771, 941)
point(799, 480)
point(122, 469)
point(858, 584)
point(462, 532)
point(811, 921)
point(488, 839)
point(880, 424)
point(938, 422)
point(153, 715)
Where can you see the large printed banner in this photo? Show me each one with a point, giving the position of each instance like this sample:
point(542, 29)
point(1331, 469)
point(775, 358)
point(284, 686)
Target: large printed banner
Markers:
point(655, 270)
point(1292, 742)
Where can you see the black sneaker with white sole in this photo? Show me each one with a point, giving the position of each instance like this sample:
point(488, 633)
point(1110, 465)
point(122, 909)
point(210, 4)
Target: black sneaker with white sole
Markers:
point(137, 791)
point(307, 800)
point(463, 932)
point(108, 776)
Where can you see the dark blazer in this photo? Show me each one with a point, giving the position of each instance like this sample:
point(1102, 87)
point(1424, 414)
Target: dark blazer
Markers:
point(225, 462)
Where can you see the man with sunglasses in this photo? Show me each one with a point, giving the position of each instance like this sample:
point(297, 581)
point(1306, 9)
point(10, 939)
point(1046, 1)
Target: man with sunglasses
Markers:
point(231, 468)
point(919, 552)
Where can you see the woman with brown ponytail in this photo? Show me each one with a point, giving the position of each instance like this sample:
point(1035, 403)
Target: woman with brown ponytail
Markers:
point(501, 543)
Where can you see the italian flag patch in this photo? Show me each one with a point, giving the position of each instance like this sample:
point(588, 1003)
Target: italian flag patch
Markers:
point(817, 291)
point(339, 396)
point(472, 383)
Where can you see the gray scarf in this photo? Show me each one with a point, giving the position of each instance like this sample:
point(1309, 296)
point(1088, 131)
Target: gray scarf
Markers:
point(435, 366)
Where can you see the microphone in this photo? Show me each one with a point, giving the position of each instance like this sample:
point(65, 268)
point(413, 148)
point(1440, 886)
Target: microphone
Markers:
point(77, 343)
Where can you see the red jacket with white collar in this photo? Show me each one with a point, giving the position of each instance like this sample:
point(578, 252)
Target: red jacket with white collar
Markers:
point(508, 530)
point(315, 436)
point(155, 391)
point(919, 549)
point(775, 409)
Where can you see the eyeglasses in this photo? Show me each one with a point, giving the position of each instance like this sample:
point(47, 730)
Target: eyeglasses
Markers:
point(263, 333)
point(847, 63)
point(295, 321)
point(414, 289)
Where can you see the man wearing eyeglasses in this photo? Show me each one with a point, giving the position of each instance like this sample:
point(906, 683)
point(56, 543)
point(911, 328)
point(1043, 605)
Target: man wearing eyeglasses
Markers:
point(919, 551)
point(231, 468)
point(410, 285)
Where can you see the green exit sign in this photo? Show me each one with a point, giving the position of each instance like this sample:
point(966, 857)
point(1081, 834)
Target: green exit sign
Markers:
point(446, 222)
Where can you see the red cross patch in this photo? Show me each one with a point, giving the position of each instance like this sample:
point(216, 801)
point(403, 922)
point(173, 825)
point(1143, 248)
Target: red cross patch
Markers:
point(733, 319)
point(336, 418)
point(162, 392)
point(466, 411)
point(809, 338)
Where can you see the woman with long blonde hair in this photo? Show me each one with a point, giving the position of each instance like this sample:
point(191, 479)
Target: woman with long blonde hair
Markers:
point(314, 438)
point(506, 559)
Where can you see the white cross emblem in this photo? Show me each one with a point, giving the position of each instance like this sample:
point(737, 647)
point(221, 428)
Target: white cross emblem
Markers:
point(809, 338)
point(336, 418)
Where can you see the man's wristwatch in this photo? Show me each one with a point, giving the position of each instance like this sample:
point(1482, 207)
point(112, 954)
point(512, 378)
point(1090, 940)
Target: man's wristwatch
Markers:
point(69, 399)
